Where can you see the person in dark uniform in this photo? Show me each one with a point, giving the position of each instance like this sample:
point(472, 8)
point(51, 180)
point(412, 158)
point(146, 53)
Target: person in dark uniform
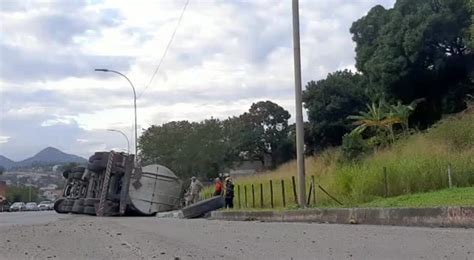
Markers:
point(229, 193)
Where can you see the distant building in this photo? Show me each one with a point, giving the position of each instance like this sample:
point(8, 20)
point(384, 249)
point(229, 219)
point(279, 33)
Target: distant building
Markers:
point(56, 168)
point(51, 195)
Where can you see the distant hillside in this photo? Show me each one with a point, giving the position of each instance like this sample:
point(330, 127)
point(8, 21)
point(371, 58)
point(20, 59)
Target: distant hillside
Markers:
point(5, 162)
point(47, 156)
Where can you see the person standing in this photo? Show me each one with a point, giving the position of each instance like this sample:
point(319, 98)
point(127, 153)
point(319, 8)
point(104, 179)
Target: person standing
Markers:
point(218, 187)
point(194, 189)
point(229, 193)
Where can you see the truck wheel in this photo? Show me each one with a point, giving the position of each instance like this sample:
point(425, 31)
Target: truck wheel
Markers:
point(77, 175)
point(77, 209)
point(66, 173)
point(97, 165)
point(67, 209)
point(79, 202)
point(78, 169)
point(89, 210)
point(90, 202)
point(99, 156)
point(68, 202)
point(58, 206)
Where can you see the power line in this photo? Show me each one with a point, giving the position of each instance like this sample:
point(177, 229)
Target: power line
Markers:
point(166, 49)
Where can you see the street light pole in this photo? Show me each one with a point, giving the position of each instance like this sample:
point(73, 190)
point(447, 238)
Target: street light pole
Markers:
point(124, 135)
point(298, 106)
point(134, 104)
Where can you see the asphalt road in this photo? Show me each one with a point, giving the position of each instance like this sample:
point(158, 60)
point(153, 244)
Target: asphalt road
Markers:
point(47, 235)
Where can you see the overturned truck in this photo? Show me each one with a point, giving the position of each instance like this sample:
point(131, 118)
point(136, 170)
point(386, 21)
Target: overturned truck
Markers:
point(111, 185)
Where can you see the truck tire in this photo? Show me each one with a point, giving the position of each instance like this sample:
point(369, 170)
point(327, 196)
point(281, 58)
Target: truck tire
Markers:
point(67, 209)
point(78, 169)
point(97, 166)
point(78, 206)
point(76, 175)
point(99, 156)
point(89, 210)
point(66, 173)
point(90, 202)
point(68, 202)
point(202, 207)
point(77, 209)
point(58, 206)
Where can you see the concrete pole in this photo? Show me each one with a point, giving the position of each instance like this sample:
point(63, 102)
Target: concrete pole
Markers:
point(298, 106)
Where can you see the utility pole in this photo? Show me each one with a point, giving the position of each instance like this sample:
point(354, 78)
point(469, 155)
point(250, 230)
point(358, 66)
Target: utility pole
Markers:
point(298, 106)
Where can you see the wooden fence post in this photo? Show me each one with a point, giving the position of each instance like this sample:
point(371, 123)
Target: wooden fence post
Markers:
point(253, 197)
point(261, 195)
point(450, 181)
point(271, 194)
point(385, 181)
point(245, 192)
point(314, 189)
point(238, 195)
point(283, 192)
point(294, 189)
point(310, 193)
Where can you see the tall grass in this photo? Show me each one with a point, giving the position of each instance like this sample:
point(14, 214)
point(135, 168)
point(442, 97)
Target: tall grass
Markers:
point(416, 163)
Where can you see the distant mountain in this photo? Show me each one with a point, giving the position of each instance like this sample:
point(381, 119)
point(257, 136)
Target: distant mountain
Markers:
point(47, 156)
point(5, 162)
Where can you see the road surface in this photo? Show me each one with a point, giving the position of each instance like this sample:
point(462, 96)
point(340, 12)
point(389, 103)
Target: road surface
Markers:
point(47, 235)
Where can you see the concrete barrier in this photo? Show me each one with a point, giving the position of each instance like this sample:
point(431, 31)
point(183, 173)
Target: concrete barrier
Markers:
point(428, 217)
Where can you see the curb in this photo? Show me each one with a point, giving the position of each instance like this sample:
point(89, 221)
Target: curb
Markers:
point(170, 214)
point(425, 217)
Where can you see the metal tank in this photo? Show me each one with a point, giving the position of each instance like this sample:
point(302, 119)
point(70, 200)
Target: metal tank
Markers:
point(155, 189)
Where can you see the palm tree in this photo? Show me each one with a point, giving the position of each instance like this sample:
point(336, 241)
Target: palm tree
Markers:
point(399, 113)
point(377, 118)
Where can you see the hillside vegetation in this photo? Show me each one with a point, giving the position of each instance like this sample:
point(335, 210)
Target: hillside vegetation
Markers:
point(415, 163)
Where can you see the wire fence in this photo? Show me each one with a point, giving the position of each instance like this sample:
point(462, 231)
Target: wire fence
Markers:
point(282, 193)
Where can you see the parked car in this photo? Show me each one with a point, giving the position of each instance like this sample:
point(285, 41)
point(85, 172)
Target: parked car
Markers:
point(45, 205)
point(18, 206)
point(4, 206)
point(32, 206)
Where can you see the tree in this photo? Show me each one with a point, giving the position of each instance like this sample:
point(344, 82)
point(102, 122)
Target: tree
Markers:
point(189, 149)
point(381, 118)
point(417, 49)
point(22, 194)
point(167, 145)
point(265, 132)
point(329, 102)
point(2, 169)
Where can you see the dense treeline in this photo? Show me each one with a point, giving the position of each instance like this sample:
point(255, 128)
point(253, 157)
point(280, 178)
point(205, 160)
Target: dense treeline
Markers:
point(208, 147)
point(414, 63)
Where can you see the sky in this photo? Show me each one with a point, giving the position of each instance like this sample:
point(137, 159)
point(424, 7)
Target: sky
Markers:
point(225, 56)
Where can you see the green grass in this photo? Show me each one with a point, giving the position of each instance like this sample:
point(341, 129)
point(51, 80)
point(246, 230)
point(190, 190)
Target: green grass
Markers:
point(446, 197)
point(415, 164)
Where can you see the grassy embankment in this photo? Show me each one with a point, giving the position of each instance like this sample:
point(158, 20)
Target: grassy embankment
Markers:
point(446, 197)
point(415, 164)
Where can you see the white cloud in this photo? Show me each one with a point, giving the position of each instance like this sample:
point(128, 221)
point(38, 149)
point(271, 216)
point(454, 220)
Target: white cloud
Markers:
point(225, 56)
point(4, 139)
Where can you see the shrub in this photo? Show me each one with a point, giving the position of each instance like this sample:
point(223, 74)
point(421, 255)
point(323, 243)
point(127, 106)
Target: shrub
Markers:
point(353, 146)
